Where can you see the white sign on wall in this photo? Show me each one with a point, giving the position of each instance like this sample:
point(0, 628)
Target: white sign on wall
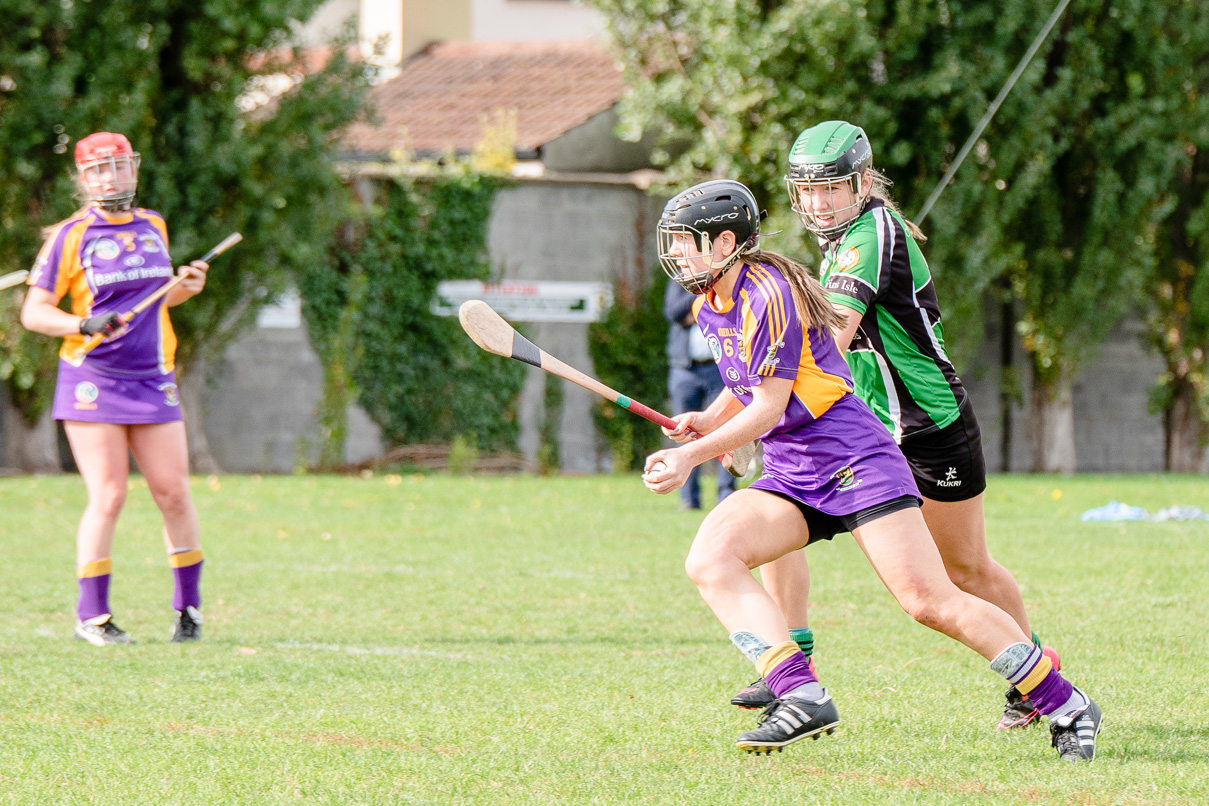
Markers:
point(528, 302)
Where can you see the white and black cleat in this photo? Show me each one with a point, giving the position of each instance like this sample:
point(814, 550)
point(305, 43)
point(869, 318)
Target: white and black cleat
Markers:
point(101, 631)
point(755, 696)
point(788, 720)
point(188, 625)
point(1074, 735)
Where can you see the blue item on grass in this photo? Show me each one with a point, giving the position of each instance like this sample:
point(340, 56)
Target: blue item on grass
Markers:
point(1116, 511)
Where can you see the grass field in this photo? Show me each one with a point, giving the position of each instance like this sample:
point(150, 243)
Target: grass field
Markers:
point(508, 640)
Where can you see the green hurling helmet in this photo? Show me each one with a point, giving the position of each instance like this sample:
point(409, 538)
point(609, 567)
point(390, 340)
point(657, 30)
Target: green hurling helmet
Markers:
point(823, 157)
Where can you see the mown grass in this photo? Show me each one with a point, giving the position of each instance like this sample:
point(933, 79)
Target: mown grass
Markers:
point(516, 640)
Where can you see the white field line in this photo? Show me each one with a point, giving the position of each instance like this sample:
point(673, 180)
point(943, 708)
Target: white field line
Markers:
point(381, 651)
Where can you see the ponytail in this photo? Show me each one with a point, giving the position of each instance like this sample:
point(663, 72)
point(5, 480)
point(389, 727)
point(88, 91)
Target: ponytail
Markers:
point(881, 191)
point(809, 298)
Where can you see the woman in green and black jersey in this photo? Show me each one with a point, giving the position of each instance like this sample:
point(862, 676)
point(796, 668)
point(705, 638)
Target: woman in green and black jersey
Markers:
point(877, 279)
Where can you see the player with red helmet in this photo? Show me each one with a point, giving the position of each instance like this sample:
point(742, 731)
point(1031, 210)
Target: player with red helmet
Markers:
point(123, 397)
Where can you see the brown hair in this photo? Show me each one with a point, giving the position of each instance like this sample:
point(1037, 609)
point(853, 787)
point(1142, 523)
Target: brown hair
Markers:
point(881, 190)
point(808, 296)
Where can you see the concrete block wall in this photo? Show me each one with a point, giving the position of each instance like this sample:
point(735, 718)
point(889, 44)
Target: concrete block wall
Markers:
point(260, 407)
point(1113, 431)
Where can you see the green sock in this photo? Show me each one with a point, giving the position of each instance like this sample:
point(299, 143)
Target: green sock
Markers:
point(804, 638)
point(1036, 639)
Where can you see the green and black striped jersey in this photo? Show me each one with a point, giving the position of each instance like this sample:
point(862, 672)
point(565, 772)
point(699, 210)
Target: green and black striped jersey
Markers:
point(898, 359)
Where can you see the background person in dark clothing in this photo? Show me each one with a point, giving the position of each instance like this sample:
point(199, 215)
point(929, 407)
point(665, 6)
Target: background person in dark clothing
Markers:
point(693, 382)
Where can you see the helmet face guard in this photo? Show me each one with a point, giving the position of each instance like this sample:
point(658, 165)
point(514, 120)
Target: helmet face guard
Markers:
point(678, 258)
point(108, 169)
point(826, 167)
point(690, 226)
point(826, 206)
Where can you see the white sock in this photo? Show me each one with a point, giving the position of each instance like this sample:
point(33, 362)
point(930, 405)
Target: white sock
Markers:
point(811, 691)
point(1077, 702)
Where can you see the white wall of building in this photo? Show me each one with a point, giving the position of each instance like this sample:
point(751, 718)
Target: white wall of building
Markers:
point(328, 21)
point(533, 20)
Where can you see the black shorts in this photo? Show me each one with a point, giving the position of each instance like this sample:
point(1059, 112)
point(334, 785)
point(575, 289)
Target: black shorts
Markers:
point(948, 464)
point(822, 526)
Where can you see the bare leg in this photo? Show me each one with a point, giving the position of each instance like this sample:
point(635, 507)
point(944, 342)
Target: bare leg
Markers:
point(163, 458)
point(909, 564)
point(746, 530)
point(787, 580)
point(960, 534)
point(101, 454)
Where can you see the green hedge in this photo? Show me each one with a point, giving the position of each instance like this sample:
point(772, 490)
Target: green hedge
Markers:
point(417, 374)
point(628, 351)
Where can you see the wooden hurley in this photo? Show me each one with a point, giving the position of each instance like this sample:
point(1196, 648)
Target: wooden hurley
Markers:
point(13, 278)
point(489, 331)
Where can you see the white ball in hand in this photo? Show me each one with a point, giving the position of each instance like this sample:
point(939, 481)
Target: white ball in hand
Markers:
point(655, 468)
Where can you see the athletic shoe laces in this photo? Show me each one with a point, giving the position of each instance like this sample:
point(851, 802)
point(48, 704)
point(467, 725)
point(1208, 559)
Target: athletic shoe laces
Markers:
point(1066, 740)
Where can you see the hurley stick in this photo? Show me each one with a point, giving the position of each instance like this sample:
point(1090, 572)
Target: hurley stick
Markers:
point(489, 331)
point(13, 278)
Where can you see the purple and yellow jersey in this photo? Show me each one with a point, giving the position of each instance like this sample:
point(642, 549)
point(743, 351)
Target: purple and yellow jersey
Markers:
point(828, 449)
point(757, 334)
point(108, 263)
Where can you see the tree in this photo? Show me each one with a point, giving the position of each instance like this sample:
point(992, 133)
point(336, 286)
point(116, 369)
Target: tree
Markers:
point(172, 75)
point(1040, 210)
point(1172, 88)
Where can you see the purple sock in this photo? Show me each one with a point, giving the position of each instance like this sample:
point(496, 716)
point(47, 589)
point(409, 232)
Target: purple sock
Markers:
point(1028, 669)
point(784, 667)
point(94, 589)
point(186, 570)
point(1051, 693)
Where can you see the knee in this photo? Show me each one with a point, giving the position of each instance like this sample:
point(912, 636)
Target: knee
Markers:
point(708, 566)
point(963, 575)
point(931, 608)
point(109, 500)
point(970, 574)
point(699, 567)
point(173, 500)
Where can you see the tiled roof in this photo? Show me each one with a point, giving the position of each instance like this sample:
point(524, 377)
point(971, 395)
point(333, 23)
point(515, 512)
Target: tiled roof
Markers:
point(443, 94)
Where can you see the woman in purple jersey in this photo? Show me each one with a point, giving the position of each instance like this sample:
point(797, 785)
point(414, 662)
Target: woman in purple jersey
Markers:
point(830, 467)
point(123, 398)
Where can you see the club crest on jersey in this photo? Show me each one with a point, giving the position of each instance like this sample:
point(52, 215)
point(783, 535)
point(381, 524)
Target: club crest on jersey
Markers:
point(106, 249)
point(715, 347)
point(847, 259)
point(846, 477)
point(86, 395)
point(150, 244)
point(770, 361)
point(171, 398)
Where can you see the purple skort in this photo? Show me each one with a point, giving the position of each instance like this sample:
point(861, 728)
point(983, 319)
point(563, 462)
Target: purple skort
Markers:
point(86, 395)
point(839, 464)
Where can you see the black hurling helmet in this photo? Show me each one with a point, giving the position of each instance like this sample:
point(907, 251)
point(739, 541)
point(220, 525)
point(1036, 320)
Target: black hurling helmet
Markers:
point(703, 212)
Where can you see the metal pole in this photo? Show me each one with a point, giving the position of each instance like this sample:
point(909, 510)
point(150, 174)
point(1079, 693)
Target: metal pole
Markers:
point(990, 113)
